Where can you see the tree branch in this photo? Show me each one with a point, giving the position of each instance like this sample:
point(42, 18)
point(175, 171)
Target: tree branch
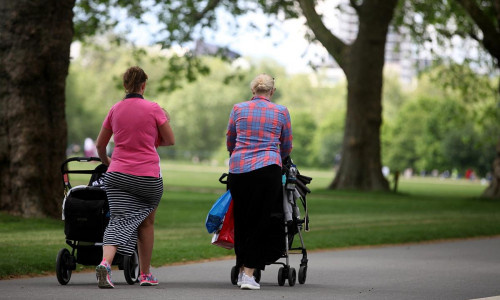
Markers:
point(496, 4)
point(331, 42)
point(491, 35)
point(211, 5)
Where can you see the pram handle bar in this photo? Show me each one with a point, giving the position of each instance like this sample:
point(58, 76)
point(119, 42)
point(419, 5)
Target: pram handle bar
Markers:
point(80, 159)
point(65, 171)
point(224, 175)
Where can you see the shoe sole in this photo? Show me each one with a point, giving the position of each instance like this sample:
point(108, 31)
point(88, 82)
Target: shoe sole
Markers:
point(246, 286)
point(102, 278)
point(148, 284)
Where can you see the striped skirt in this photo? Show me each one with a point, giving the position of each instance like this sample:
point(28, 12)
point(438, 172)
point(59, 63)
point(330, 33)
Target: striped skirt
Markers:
point(131, 200)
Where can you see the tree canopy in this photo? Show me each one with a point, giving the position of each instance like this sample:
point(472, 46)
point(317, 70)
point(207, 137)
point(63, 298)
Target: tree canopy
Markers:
point(36, 38)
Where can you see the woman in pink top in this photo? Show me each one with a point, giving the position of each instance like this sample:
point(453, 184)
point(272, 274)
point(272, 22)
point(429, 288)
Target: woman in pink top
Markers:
point(133, 181)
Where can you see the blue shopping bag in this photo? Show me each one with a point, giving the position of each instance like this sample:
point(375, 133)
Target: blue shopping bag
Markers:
point(217, 212)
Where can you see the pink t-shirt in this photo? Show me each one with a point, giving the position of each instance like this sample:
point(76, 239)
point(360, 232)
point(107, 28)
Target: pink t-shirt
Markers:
point(134, 122)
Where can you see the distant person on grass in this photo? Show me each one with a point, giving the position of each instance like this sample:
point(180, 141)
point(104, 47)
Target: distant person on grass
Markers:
point(259, 136)
point(133, 182)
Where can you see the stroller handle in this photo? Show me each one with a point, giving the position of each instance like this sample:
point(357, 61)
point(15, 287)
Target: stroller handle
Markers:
point(64, 170)
point(221, 178)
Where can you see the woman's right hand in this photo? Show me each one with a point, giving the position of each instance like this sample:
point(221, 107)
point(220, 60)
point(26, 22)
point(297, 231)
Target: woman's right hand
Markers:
point(167, 135)
point(101, 143)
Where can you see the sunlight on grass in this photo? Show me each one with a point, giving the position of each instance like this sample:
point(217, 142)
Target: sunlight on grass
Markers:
point(423, 209)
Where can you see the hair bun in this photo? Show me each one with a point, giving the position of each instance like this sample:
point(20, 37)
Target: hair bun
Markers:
point(263, 83)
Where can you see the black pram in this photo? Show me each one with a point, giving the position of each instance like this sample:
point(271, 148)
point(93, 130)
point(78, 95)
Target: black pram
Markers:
point(86, 215)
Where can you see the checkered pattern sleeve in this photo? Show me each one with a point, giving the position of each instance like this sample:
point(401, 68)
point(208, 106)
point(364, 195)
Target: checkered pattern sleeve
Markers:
point(231, 133)
point(286, 135)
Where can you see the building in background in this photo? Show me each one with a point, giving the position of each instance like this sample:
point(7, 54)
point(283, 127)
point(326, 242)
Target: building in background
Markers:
point(401, 55)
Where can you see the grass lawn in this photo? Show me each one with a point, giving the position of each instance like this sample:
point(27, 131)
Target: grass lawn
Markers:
point(423, 209)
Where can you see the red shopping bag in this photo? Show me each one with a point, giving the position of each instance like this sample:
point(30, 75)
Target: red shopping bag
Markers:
point(225, 236)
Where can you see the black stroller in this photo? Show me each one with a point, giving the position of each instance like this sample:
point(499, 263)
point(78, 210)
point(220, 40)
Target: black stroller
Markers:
point(86, 215)
point(290, 223)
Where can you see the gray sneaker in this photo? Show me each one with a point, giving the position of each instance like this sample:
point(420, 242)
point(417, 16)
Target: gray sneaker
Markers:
point(240, 278)
point(249, 283)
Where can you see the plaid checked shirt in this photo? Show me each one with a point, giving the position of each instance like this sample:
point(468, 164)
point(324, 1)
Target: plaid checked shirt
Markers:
point(259, 134)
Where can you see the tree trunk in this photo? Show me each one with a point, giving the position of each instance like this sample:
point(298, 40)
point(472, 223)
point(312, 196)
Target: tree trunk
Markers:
point(35, 40)
point(493, 190)
point(360, 165)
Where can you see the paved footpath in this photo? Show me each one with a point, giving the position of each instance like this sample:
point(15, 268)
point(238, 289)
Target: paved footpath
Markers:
point(466, 269)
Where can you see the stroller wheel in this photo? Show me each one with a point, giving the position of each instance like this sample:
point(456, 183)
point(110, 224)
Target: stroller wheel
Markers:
point(292, 276)
point(234, 275)
point(281, 276)
point(63, 270)
point(302, 274)
point(131, 268)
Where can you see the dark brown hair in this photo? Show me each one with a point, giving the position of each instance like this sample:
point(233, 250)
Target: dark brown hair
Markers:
point(133, 78)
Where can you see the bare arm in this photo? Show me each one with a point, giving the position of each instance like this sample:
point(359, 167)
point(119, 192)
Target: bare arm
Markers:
point(101, 143)
point(167, 135)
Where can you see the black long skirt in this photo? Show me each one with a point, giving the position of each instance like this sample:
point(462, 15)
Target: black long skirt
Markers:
point(258, 216)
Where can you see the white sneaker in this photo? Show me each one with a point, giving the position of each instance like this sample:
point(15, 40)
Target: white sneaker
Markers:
point(249, 283)
point(240, 278)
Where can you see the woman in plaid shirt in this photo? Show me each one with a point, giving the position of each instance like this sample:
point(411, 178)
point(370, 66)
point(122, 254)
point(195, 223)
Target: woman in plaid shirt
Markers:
point(259, 136)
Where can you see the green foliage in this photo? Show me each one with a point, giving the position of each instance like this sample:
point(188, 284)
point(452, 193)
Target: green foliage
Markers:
point(436, 126)
point(440, 129)
point(199, 109)
point(82, 122)
point(470, 27)
point(471, 87)
point(91, 89)
point(303, 131)
point(393, 96)
point(465, 151)
point(419, 16)
point(399, 146)
point(200, 112)
point(328, 139)
point(182, 21)
point(321, 110)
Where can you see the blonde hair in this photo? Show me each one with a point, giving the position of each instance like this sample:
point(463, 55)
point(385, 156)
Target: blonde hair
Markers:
point(133, 78)
point(262, 84)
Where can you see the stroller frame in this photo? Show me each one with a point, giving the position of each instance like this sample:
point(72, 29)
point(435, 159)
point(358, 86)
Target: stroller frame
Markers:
point(294, 188)
point(83, 252)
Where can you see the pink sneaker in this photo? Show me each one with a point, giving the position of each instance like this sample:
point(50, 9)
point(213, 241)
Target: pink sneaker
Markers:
point(103, 275)
point(148, 279)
